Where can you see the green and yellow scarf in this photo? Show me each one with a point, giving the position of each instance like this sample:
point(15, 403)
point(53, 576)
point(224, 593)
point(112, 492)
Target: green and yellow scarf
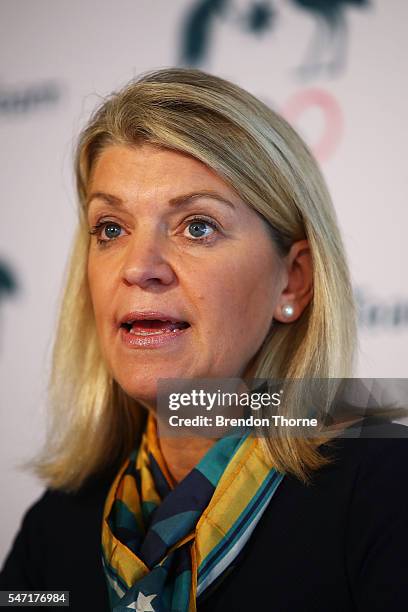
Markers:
point(164, 545)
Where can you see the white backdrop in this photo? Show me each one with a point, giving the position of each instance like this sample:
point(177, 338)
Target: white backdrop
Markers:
point(348, 100)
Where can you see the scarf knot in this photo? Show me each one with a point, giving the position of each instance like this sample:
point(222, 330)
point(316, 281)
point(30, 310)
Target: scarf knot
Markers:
point(164, 545)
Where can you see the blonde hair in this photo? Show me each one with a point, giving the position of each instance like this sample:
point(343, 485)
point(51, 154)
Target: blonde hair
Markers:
point(94, 423)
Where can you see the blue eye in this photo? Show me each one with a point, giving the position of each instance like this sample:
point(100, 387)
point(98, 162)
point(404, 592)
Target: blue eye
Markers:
point(110, 229)
point(200, 230)
point(197, 228)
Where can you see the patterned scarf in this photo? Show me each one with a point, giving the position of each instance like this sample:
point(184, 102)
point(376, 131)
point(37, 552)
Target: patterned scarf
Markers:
point(164, 545)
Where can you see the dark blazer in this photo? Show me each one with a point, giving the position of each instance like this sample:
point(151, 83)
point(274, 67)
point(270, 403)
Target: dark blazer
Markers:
point(337, 545)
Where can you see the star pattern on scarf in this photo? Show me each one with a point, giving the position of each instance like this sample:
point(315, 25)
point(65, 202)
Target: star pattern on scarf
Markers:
point(143, 603)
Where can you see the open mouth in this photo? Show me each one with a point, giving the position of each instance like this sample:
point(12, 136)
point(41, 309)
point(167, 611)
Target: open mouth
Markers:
point(149, 327)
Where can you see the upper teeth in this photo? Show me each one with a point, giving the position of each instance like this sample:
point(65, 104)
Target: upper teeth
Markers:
point(136, 320)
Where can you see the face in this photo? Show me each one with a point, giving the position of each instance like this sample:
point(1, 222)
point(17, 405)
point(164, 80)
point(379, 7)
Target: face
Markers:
point(171, 240)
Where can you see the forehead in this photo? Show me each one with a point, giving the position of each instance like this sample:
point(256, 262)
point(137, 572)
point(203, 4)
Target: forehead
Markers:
point(150, 170)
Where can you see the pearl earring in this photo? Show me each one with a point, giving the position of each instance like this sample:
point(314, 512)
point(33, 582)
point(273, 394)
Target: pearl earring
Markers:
point(288, 311)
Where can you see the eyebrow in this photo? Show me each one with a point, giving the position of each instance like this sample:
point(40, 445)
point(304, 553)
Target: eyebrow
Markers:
point(181, 200)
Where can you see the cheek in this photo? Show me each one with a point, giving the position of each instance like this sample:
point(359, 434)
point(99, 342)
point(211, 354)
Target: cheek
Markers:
point(98, 282)
point(239, 296)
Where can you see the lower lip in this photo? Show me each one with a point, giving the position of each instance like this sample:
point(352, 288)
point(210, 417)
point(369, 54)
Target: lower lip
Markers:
point(153, 340)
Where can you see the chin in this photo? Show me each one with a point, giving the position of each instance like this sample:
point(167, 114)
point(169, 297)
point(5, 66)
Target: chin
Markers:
point(144, 388)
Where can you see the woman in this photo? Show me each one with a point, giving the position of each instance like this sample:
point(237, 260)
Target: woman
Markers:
point(207, 247)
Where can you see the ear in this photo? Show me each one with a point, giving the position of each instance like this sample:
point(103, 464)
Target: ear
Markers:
point(298, 282)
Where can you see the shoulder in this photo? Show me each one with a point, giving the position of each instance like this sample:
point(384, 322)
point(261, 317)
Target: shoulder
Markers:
point(379, 457)
point(376, 535)
point(88, 499)
point(376, 445)
point(56, 526)
point(364, 483)
point(371, 458)
point(347, 527)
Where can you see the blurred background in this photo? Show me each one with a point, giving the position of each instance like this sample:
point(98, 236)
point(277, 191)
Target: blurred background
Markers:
point(336, 69)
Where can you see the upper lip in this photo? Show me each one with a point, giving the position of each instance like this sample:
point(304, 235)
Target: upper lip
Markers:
point(149, 314)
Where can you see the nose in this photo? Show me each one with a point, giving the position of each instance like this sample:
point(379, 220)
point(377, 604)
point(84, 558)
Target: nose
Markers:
point(145, 262)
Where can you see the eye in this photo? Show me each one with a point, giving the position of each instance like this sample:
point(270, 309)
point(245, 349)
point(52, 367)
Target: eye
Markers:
point(197, 229)
point(106, 231)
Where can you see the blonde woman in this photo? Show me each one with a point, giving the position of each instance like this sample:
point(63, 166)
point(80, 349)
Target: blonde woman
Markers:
point(207, 247)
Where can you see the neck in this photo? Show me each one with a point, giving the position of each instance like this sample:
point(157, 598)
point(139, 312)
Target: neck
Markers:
point(182, 454)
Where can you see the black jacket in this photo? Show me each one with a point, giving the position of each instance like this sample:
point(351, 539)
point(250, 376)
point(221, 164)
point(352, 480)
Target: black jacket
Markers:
point(337, 545)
